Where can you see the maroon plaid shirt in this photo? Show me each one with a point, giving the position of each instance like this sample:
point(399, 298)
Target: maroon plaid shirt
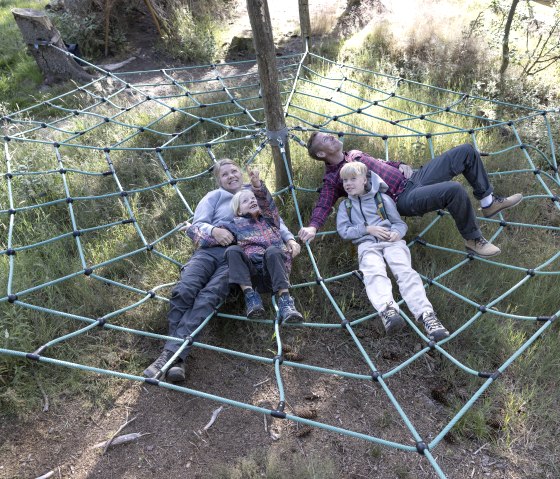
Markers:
point(332, 188)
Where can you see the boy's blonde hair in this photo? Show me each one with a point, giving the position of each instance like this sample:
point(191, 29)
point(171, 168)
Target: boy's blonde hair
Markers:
point(218, 166)
point(236, 200)
point(354, 168)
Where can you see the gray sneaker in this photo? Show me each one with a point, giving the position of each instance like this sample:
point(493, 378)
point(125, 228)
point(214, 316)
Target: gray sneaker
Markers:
point(434, 329)
point(501, 203)
point(153, 369)
point(392, 320)
point(176, 373)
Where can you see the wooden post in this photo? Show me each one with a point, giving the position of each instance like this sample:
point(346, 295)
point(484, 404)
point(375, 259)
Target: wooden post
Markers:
point(268, 73)
point(304, 21)
point(37, 28)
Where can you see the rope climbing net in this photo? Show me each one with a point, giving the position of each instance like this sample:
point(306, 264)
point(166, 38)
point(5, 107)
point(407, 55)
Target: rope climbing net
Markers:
point(120, 161)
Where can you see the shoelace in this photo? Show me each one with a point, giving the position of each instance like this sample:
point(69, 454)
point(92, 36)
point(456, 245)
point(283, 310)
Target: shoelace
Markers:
point(431, 321)
point(481, 241)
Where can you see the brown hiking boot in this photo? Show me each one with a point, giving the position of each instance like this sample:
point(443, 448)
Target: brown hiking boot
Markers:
point(501, 203)
point(481, 247)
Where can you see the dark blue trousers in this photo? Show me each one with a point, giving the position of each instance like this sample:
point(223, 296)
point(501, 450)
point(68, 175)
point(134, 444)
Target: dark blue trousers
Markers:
point(430, 188)
point(201, 288)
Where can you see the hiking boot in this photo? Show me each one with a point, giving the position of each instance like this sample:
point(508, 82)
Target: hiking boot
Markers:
point(176, 373)
point(434, 329)
point(392, 320)
point(501, 203)
point(288, 311)
point(481, 247)
point(153, 369)
point(253, 304)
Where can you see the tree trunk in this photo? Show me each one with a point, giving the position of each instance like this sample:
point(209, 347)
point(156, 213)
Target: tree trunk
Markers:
point(505, 41)
point(304, 21)
point(36, 29)
point(268, 73)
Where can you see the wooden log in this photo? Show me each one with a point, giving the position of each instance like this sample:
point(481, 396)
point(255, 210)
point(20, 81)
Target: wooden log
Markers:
point(37, 30)
point(268, 74)
point(304, 21)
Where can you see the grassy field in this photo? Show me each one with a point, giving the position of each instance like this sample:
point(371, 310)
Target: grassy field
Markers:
point(519, 410)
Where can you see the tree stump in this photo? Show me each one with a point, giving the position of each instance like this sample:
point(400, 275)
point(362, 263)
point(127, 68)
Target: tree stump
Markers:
point(38, 30)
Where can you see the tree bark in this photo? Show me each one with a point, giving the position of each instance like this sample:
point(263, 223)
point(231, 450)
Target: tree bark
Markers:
point(37, 28)
point(304, 21)
point(505, 41)
point(268, 73)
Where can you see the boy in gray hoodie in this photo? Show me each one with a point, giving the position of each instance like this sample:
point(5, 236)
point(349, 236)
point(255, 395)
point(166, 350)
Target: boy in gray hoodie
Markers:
point(372, 222)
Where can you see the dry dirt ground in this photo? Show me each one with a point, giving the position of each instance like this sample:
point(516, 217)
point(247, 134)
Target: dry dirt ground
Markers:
point(61, 441)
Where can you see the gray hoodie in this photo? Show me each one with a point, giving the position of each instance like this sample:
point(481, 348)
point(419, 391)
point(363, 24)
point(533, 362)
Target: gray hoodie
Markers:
point(358, 212)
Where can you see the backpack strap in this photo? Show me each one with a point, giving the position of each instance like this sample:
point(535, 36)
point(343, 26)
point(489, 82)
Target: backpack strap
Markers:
point(380, 206)
point(348, 205)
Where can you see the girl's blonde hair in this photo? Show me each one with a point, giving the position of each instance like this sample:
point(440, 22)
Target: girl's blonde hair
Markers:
point(236, 200)
point(354, 168)
point(218, 166)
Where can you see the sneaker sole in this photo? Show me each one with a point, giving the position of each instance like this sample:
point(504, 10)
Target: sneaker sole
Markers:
point(294, 318)
point(256, 314)
point(438, 337)
point(503, 209)
point(469, 250)
point(395, 328)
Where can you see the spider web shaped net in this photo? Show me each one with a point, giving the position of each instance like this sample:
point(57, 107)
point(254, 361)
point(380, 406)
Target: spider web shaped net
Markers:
point(121, 161)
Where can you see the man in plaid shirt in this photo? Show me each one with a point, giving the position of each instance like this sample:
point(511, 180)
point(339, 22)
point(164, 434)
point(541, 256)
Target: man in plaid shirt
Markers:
point(415, 192)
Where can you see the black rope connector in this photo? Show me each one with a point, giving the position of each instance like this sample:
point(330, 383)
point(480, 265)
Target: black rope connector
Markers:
point(101, 322)
point(555, 198)
point(106, 119)
point(470, 256)
point(319, 280)
point(543, 113)
point(173, 181)
point(375, 375)
point(543, 318)
point(503, 223)
point(231, 129)
point(7, 139)
point(158, 150)
point(69, 200)
point(88, 271)
point(428, 136)
point(421, 447)
point(141, 129)
point(207, 145)
point(510, 123)
point(359, 110)
point(12, 298)
point(522, 146)
point(107, 173)
point(430, 281)
point(107, 150)
point(447, 108)
point(76, 112)
point(432, 344)
point(149, 247)
point(393, 122)
point(56, 144)
point(62, 171)
point(103, 100)
point(43, 125)
point(278, 414)
point(482, 308)
point(204, 105)
point(152, 294)
point(11, 211)
point(76, 233)
point(553, 318)
point(471, 131)
point(8, 176)
point(124, 193)
point(278, 359)
point(152, 381)
point(422, 117)
point(335, 118)
point(200, 119)
point(530, 272)
point(440, 212)
point(392, 94)
point(32, 356)
point(375, 102)
point(189, 340)
point(420, 240)
point(173, 109)
point(130, 220)
point(340, 134)
point(343, 323)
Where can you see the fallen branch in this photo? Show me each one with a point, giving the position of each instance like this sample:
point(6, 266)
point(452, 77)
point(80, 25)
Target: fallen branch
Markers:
point(110, 441)
point(215, 414)
point(46, 476)
point(115, 441)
